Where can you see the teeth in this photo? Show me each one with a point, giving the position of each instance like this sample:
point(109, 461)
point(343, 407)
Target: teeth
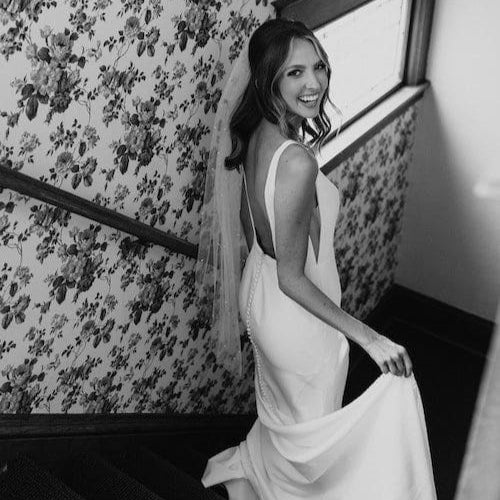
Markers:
point(309, 98)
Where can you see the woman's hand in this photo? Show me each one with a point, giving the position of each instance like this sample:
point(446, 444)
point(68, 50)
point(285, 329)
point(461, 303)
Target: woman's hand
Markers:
point(389, 356)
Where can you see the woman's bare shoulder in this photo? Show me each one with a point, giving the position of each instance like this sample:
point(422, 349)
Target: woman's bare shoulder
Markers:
point(299, 163)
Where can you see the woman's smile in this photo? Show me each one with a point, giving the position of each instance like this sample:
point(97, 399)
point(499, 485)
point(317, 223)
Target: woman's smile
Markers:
point(304, 80)
point(310, 100)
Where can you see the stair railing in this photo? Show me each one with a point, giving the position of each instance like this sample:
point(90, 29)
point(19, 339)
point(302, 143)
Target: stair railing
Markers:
point(24, 184)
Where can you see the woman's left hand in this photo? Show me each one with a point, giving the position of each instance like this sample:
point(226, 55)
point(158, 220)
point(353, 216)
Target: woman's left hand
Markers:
point(389, 356)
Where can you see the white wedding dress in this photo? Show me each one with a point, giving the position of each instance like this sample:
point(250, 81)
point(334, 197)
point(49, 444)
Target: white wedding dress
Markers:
point(304, 444)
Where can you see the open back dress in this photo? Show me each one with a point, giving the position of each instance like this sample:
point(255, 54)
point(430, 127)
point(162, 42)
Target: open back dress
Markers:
point(304, 444)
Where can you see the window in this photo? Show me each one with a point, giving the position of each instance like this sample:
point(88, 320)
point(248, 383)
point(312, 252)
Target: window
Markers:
point(366, 48)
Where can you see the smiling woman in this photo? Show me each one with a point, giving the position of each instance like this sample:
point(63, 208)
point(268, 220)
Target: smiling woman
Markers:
point(304, 444)
point(270, 83)
point(304, 80)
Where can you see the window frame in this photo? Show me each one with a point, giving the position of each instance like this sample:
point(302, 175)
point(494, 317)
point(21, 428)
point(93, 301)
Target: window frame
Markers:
point(317, 13)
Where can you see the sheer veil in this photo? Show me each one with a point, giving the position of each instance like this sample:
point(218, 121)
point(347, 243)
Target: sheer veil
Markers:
point(221, 242)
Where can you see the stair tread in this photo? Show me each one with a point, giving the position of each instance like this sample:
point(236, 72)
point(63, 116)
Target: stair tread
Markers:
point(161, 476)
point(184, 456)
point(23, 479)
point(97, 479)
point(188, 459)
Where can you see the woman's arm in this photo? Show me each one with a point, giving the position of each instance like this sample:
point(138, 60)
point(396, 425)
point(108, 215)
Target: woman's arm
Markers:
point(294, 203)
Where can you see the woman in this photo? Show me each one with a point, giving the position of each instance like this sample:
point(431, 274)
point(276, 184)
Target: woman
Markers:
point(303, 444)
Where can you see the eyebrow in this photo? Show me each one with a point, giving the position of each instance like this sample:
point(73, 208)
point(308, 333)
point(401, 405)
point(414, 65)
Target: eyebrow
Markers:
point(301, 66)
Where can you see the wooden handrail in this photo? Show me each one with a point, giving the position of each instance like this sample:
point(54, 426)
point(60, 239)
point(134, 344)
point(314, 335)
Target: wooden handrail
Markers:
point(42, 191)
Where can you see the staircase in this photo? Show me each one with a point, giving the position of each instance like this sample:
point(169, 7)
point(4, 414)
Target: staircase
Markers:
point(127, 467)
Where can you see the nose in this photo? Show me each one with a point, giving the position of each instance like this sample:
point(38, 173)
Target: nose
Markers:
point(312, 82)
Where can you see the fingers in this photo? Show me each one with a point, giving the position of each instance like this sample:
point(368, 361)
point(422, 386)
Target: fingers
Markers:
point(399, 363)
point(390, 357)
point(384, 367)
point(408, 364)
point(393, 367)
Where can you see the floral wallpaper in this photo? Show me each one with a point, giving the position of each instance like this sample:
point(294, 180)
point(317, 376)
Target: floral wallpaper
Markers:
point(114, 101)
point(373, 184)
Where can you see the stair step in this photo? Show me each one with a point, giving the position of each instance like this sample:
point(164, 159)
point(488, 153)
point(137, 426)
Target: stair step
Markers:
point(23, 479)
point(184, 456)
point(97, 479)
point(161, 476)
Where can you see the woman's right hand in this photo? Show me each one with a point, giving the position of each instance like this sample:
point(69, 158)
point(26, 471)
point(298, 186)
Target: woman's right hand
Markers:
point(389, 356)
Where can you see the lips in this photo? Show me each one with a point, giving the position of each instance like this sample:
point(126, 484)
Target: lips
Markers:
point(309, 100)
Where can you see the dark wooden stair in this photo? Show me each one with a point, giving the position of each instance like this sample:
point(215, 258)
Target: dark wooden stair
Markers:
point(151, 469)
point(148, 471)
point(23, 479)
point(113, 457)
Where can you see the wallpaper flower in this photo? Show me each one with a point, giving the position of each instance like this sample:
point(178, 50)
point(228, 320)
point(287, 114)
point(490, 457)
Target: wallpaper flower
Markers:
point(114, 101)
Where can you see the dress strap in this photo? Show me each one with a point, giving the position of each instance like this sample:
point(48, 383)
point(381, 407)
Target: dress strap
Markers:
point(270, 187)
point(248, 203)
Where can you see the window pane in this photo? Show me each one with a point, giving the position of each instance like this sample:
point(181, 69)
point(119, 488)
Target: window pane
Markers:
point(366, 49)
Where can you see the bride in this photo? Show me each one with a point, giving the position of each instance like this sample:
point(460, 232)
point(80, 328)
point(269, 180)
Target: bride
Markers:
point(304, 444)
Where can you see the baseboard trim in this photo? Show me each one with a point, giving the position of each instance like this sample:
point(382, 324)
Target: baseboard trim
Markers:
point(412, 295)
point(60, 425)
point(448, 322)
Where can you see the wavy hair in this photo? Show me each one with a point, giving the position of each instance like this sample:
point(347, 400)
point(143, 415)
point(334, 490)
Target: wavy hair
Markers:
point(268, 52)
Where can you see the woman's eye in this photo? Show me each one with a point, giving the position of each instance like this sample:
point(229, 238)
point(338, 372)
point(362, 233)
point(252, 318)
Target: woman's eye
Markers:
point(297, 72)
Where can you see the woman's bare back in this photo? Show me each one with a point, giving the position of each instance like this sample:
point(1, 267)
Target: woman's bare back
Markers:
point(261, 148)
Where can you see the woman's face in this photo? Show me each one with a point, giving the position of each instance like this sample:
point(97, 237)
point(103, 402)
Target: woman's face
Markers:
point(304, 79)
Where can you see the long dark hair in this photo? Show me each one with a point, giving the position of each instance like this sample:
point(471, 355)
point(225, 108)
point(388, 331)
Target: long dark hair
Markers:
point(267, 53)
